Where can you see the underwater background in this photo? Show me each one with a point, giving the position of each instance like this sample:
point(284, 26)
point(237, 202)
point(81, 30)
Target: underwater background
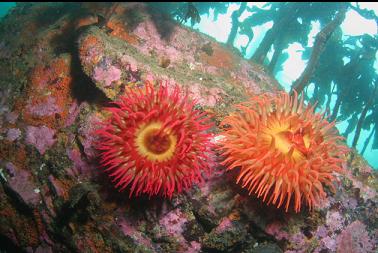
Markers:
point(356, 26)
point(102, 148)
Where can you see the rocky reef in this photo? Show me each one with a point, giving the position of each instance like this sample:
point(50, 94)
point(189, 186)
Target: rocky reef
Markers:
point(61, 64)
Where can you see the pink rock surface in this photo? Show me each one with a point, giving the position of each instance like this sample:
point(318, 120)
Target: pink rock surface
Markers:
point(11, 117)
point(173, 222)
point(45, 109)
point(13, 134)
point(355, 239)
point(107, 75)
point(22, 183)
point(42, 138)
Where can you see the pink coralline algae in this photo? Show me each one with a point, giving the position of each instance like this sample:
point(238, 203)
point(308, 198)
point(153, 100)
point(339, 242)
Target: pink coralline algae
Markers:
point(130, 63)
point(11, 169)
point(80, 166)
point(354, 239)
point(224, 225)
point(11, 117)
point(212, 70)
point(73, 112)
point(107, 76)
point(349, 202)
point(45, 109)
point(150, 78)
point(329, 243)
point(246, 76)
point(334, 220)
point(24, 186)
point(275, 229)
point(173, 222)
point(366, 192)
point(298, 241)
point(92, 54)
point(40, 137)
point(86, 131)
point(205, 96)
point(148, 30)
point(194, 247)
point(130, 230)
point(321, 232)
point(13, 134)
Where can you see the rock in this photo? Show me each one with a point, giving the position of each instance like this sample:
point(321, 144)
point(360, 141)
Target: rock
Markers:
point(227, 237)
point(22, 185)
point(65, 65)
point(265, 248)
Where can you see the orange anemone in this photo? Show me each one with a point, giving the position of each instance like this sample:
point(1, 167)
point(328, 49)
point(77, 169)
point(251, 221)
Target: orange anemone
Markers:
point(286, 152)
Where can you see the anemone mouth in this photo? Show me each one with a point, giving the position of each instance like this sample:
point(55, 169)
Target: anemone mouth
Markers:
point(155, 143)
point(288, 137)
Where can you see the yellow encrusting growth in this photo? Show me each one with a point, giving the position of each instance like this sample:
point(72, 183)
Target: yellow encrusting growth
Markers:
point(155, 143)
